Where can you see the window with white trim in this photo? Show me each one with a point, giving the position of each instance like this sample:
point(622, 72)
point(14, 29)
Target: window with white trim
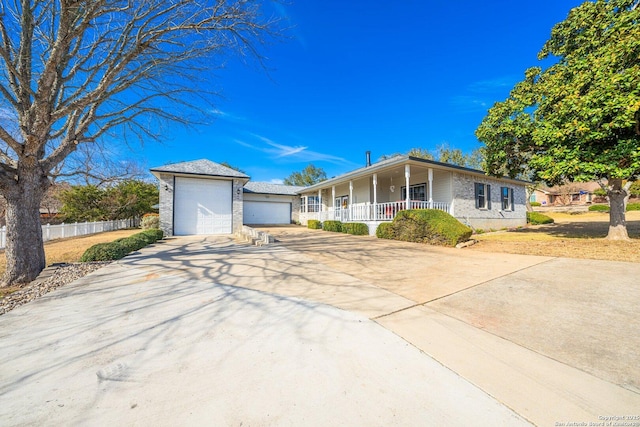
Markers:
point(483, 196)
point(303, 204)
point(506, 197)
point(313, 203)
point(416, 192)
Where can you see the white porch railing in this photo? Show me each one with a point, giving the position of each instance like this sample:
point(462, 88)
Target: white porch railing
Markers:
point(370, 212)
point(60, 231)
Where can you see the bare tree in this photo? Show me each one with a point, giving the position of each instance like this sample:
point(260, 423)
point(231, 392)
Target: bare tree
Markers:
point(75, 71)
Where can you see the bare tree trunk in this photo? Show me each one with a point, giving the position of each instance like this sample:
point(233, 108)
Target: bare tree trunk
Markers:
point(25, 250)
point(617, 206)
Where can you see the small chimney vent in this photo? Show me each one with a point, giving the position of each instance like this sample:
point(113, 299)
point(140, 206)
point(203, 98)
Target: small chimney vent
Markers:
point(368, 153)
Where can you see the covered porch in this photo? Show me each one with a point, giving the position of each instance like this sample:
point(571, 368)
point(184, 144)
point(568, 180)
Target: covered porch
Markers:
point(386, 211)
point(377, 193)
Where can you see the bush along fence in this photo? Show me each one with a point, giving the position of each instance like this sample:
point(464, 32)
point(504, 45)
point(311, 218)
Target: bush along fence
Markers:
point(120, 248)
point(60, 231)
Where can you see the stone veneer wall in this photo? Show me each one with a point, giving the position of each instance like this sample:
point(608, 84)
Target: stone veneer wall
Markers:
point(166, 203)
point(237, 206)
point(464, 203)
point(295, 209)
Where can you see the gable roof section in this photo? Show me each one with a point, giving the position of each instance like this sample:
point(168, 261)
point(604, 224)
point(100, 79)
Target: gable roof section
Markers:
point(394, 162)
point(270, 188)
point(202, 167)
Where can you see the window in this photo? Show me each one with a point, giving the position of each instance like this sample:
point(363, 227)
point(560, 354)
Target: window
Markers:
point(506, 197)
point(483, 196)
point(309, 204)
point(341, 202)
point(313, 203)
point(416, 192)
point(575, 197)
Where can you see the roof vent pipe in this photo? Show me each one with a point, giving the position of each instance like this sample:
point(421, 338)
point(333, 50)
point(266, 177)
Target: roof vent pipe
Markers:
point(368, 158)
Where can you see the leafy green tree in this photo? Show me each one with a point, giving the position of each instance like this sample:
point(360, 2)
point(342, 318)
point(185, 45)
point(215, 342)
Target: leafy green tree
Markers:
point(127, 199)
point(230, 166)
point(634, 189)
point(420, 153)
point(130, 199)
point(308, 176)
point(83, 203)
point(454, 156)
point(445, 154)
point(475, 159)
point(579, 119)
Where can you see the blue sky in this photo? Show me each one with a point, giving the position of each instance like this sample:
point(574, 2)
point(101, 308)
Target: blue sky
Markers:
point(365, 75)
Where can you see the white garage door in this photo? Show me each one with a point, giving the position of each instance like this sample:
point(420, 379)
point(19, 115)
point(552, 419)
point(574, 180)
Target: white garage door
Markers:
point(266, 212)
point(202, 206)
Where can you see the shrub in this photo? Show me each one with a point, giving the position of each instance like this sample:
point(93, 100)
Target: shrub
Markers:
point(153, 234)
point(121, 247)
point(104, 252)
point(133, 243)
point(536, 218)
point(332, 226)
point(384, 231)
point(150, 220)
point(429, 226)
point(355, 228)
point(633, 206)
point(600, 192)
point(599, 208)
point(535, 204)
point(314, 224)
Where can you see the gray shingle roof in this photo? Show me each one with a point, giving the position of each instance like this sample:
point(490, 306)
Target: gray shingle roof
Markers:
point(270, 188)
point(200, 167)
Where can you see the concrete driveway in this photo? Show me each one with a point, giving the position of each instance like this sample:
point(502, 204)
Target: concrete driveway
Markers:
point(555, 339)
point(206, 331)
point(174, 336)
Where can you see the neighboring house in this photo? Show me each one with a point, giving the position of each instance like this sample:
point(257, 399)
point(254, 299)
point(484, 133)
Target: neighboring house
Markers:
point(578, 193)
point(375, 193)
point(203, 197)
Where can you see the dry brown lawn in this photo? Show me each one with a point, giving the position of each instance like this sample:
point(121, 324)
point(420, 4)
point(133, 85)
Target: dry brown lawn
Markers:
point(572, 235)
point(69, 250)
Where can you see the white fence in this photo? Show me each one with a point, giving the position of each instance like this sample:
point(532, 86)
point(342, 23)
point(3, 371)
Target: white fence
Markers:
point(374, 212)
point(60, 231)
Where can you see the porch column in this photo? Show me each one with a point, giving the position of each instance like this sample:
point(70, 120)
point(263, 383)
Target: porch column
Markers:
point(350, 199)
point(375, 196)
point(320, 201)
point(407, 175)
point(333, 197)
point(430, 188)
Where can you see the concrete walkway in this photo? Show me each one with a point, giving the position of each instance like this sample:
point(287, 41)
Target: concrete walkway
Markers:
point(173, 336)
point(205, 331)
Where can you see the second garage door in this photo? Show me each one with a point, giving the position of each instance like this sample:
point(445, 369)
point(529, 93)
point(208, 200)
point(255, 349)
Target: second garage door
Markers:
point(266, 212)
point(202, 206)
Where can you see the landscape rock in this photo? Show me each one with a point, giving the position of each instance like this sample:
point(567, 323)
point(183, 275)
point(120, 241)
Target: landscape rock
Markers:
point(51, 278)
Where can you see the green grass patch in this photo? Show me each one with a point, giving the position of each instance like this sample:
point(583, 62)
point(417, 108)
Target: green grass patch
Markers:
point(536, 218)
